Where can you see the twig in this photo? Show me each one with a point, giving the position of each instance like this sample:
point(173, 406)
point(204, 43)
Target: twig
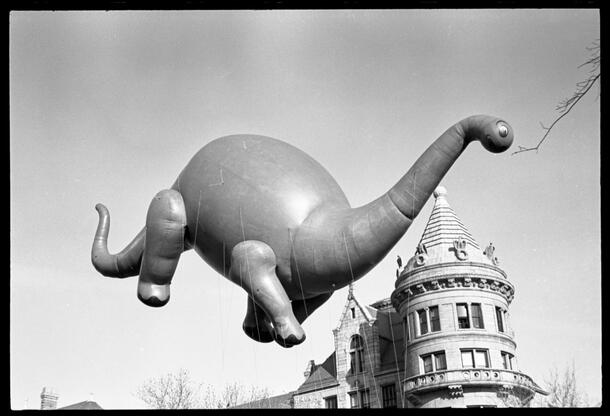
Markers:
point(565, 106)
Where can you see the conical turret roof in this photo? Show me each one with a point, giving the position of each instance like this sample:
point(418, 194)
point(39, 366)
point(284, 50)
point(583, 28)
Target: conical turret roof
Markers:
point(444, 226)
point(446, 239)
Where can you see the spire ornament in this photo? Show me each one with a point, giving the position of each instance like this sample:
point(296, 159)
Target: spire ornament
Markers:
point(421, 254)
point(459, 246)
point(489, 252)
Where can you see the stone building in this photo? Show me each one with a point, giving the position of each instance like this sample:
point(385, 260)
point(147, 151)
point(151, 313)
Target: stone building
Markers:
point(49, 398)
point(443, 339)
point(367, 365)
point(454, 299)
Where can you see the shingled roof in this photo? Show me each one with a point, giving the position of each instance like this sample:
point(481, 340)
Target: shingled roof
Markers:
point(282, 401)
point(86, 405)
point(322, 376)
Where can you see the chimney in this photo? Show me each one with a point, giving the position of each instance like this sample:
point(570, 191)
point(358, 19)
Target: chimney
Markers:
point(48, 399)
point(309, 368)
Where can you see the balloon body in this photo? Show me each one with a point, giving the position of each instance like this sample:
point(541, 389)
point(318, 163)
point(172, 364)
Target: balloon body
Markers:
point(270, 218)
point(247, 187)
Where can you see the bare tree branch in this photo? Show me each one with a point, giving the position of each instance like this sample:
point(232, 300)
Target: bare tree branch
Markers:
point(171, 391)
point(582, 88)
point(563, 389)
point(179, 391)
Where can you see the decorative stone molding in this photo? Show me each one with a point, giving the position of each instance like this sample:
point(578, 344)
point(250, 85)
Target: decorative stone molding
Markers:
point(459, 246)
point(455, 390)
point(505, 390)
point(456, 380)
point(489, 252)
point(483, 267)
point(421, 254)
point(492, 284)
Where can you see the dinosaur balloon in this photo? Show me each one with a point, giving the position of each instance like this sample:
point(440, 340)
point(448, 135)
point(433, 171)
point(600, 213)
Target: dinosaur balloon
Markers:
point(271, 219)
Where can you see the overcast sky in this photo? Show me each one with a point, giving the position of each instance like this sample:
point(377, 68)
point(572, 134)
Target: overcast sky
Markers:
point(109, 107)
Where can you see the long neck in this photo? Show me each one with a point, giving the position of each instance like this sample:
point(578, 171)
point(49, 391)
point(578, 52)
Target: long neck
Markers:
point(412, 191)
point(373, 229)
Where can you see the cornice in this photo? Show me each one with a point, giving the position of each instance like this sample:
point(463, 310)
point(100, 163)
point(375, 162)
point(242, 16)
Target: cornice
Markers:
point(405, 275)
point(410, 290)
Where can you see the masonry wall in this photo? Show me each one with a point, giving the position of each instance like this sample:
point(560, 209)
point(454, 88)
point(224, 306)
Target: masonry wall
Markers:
point(314, 399)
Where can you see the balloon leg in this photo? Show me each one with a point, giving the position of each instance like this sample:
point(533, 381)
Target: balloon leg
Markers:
point(253, 266)
point(165, 227)
point(256, 323)
point(303, 308)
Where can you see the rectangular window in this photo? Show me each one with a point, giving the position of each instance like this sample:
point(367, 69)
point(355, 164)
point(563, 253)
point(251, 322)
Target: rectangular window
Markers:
point(507, 360)
point(330, 402)
point(500, 319)
point(435, 361)
point(467, 359)
point(462, 315)
point(353, 400)
point(428, 366)
point(435, 321)
point(389, 395)
point(353, 313)
point(481, 359)
point(440, 361)
point(412, 324)
point(360, 356)
point(423, 322)
point(477, 315)
point(475, 358)
point(365, 399)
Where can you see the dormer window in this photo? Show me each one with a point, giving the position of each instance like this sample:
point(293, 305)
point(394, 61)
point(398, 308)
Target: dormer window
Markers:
point(356, 353)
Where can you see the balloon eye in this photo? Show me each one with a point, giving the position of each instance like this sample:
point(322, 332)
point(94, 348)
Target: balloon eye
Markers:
point(503, 130)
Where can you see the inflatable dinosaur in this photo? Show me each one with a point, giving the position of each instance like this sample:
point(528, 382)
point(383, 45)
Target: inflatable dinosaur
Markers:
point(271, 219)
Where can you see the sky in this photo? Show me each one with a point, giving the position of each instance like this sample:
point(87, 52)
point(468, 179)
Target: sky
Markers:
point(110, 106)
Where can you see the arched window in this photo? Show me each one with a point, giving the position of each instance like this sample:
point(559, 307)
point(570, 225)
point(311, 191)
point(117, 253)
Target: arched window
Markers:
point(356, 354)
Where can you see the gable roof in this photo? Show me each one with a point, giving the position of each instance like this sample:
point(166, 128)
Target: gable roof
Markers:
point(322, 376)
point(369, 313)
point(86, 405)
point(281, 401)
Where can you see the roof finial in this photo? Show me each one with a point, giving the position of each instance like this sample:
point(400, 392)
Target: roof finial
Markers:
point(440, 191)
point(350, 294)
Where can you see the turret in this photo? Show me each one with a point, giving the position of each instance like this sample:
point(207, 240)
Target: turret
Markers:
point(454, 301)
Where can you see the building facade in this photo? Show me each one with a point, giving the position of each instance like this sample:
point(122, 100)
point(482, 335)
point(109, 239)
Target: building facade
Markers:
point(443, 339)
point(49, 398)
point(367, 365)
point(454, 301)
